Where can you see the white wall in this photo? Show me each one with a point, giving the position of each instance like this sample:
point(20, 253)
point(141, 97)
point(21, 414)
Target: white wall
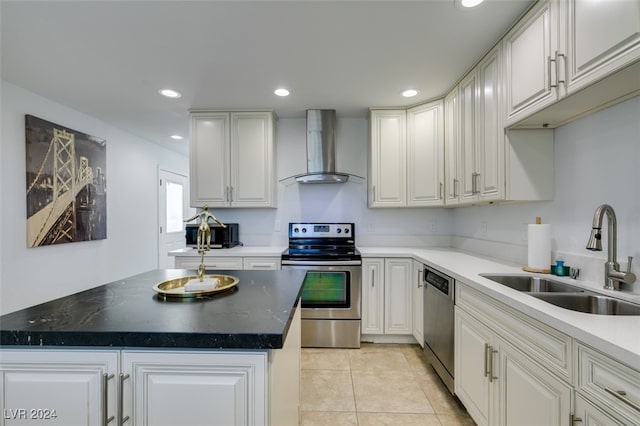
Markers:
point(596, 161)
point(33, 275)
point(335, 202)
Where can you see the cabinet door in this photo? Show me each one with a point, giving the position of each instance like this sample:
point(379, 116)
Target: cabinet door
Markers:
point(531, 62)
point(372, 296)
point(252, 159)
point(194, 388)
point(529, 395)
point(387, 159)
point(472, 345)
point(602, 37)
point(418, 302)
point(468, 138)
point(490, 143)
point(587, 414)
point(209, 159)
point(452, 148)
point(425, 155)
point(58, 387)
point(397, 296)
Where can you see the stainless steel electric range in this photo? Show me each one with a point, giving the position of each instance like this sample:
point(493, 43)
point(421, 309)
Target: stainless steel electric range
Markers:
point(331, 293)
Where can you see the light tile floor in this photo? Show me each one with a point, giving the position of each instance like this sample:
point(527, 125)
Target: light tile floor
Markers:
point(378, 384)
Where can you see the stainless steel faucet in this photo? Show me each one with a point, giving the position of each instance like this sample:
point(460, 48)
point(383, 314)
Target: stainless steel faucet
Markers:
point(612, 274)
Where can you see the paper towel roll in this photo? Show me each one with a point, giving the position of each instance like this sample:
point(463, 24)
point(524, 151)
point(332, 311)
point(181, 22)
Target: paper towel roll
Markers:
point(539, 248)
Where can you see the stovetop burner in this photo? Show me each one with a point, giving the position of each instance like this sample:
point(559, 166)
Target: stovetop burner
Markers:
point(322, 241)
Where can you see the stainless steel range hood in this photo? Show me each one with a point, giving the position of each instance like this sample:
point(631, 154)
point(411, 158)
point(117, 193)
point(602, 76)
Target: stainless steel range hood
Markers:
point(321, 148)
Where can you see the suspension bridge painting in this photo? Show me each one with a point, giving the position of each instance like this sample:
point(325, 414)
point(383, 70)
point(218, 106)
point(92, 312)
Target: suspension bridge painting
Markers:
point(66, 184)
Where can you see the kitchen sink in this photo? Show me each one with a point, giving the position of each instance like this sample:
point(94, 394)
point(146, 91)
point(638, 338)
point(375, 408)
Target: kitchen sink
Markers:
point(531, 284)
point(590, 303)
point(566, 296)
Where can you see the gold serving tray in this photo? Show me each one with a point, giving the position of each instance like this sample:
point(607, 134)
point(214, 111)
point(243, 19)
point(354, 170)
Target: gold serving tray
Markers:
point(175, 287)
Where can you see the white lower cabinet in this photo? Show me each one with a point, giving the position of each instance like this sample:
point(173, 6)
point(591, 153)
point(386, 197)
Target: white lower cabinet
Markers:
point(228, 262)
point(418, 302)
point(222, 262)
point(397, 296)
point(588, 414)
point(611, 384)
point(387, 293)
point(58, 387)
point(497, 379)
point(172, 388)
point(372, 296)
point(261, 263)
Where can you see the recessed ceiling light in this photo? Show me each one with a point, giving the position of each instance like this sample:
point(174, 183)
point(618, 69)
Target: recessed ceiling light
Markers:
point(410, 93)
point(468, 3)
point(176, 137)
point(281, 92)
point(170, 93)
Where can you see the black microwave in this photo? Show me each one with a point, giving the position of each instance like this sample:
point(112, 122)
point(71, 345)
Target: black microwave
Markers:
point(220, 237)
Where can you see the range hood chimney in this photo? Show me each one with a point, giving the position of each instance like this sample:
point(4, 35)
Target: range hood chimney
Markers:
point(321, 148)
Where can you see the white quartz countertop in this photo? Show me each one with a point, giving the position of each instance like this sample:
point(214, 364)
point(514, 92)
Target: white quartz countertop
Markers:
point(241, 251)
point(617, 336)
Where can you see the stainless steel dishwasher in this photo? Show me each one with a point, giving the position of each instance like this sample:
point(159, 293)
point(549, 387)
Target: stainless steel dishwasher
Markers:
point(439, 290)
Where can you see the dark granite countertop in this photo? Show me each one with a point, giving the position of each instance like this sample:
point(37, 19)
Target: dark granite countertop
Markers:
point(256, 314)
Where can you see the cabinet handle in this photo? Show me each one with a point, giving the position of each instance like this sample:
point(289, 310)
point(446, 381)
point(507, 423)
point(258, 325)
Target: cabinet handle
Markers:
point(373, 190)
point(621, 395)
point(122, 419)
point(491, 353)
point(419, 277)
point(226, 194)
point(486, 359)
point(474, 183)
point(573, 419)
point(558, 67)
point(549, 60)
point(373, 278)
point(440, 194)
point(231, 194)
point(105, 399)
point(455, 184)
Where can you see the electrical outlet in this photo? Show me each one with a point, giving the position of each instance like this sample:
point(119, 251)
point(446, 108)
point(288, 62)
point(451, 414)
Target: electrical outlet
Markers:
point(434, 227)
point(276, 225)
point(525, 232)
point(484, 228)
point(371, 227)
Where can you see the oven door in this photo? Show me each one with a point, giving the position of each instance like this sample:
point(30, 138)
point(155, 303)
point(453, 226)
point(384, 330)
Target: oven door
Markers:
point(329, 291)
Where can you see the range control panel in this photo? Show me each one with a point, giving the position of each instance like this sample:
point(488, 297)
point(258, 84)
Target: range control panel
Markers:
point(321, 230)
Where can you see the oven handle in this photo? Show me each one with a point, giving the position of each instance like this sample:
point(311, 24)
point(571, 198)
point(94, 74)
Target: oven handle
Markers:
point(321, 262)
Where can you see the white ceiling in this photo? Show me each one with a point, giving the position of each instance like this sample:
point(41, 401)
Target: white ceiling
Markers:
point(108, 59)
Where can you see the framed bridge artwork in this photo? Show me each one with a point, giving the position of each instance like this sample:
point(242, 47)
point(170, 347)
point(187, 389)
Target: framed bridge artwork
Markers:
point(66, 184)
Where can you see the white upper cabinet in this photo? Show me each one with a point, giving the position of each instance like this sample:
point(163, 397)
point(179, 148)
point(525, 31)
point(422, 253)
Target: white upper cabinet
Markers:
point(406, 158)
point(209, 159)
point(388, 158)
point(602, 37)
point(481, 133)
point(425, 155)
point(532, 62)
point(452, 148)
point(232, 159)
point(568, 58)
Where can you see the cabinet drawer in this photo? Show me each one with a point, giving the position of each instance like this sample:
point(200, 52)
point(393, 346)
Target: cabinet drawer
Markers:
point(545, 345)
point(261, 263)
point(613, 384)
point(209, 262)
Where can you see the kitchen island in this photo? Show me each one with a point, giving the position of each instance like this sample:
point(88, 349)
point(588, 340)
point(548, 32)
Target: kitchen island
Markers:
point(119, 350)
